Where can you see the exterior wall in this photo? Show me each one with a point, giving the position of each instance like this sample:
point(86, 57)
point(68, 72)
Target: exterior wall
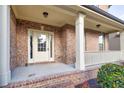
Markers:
point(22, 40)
point(91, 40)
point(114, 41)
point(68, 40)
point(22, 45)
point(58, 49)
point(13, 61)
point(106, 42)
point(64, 42)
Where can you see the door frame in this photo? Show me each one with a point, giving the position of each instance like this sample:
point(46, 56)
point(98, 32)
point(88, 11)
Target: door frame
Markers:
point(50, 59)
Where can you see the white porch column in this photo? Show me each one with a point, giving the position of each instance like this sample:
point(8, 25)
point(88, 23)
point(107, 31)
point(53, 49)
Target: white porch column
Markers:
point(122, 41)
point(122, 45)
point(80, 42)
point(4, 45)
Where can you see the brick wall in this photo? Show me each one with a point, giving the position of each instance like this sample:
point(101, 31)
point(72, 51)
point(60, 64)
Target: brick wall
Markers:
point(64, 41)
point(114, 42)
point(13, 61)
point(106, 41)
point(22, 45)
point(22, 40)
point(69, 43)
point(60, 80)
point(91, 40)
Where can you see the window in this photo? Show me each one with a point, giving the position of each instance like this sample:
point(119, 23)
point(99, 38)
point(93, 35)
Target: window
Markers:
point(101, 41)
point(42, 43)
point(31, 46)
point(51, 46)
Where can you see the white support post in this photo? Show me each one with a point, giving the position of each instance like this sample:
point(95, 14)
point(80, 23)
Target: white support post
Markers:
point(80, 42)
point(4, 45)
point(122, 45)
point(122, 41)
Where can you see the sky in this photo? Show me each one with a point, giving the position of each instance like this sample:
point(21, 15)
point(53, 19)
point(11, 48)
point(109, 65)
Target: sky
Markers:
point(117, 10)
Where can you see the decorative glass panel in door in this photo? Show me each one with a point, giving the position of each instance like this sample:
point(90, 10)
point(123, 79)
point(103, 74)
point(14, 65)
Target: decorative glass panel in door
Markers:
point(42, 43)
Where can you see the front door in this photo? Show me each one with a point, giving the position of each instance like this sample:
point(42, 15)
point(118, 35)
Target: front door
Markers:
point(40, 46)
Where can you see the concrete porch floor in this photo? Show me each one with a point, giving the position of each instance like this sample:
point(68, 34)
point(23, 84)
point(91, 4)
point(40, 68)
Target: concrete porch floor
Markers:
point(36, 70)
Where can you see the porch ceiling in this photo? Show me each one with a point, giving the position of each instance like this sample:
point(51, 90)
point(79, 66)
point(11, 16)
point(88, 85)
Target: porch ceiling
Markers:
point(60, 15)
point(35, 13)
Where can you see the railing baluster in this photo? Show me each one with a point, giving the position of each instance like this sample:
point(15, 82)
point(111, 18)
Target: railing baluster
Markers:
point(92, 58)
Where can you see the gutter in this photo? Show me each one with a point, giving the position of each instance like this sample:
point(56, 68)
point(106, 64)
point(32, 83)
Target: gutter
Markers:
point(104, 13)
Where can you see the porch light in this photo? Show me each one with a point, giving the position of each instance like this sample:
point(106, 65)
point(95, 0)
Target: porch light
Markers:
point(98, 25)
point(118, 33)
point(45, 14)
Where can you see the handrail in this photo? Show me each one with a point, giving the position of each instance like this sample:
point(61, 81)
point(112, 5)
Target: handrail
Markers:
point(101, 51)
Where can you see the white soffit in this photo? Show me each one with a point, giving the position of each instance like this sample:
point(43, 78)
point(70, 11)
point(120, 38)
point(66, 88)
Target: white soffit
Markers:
point(60, 15)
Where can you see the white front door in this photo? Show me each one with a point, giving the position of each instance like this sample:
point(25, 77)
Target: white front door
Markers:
point(40, 46)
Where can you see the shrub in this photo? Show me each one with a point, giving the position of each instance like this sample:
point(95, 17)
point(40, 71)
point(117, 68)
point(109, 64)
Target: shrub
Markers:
point(111, 76)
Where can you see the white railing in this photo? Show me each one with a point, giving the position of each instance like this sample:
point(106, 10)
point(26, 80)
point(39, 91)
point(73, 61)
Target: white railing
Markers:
point(122, 55)
point(92, 58)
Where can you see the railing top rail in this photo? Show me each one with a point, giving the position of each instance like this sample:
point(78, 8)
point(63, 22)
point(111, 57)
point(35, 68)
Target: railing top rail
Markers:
point(101, 51)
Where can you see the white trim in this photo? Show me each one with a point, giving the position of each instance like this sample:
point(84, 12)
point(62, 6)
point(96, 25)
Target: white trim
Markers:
point(29, 59)
point(49, 33)
point(102, 57)
point(122, 41)
point(82, 7)
point(5, 73)
point(51, 59)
